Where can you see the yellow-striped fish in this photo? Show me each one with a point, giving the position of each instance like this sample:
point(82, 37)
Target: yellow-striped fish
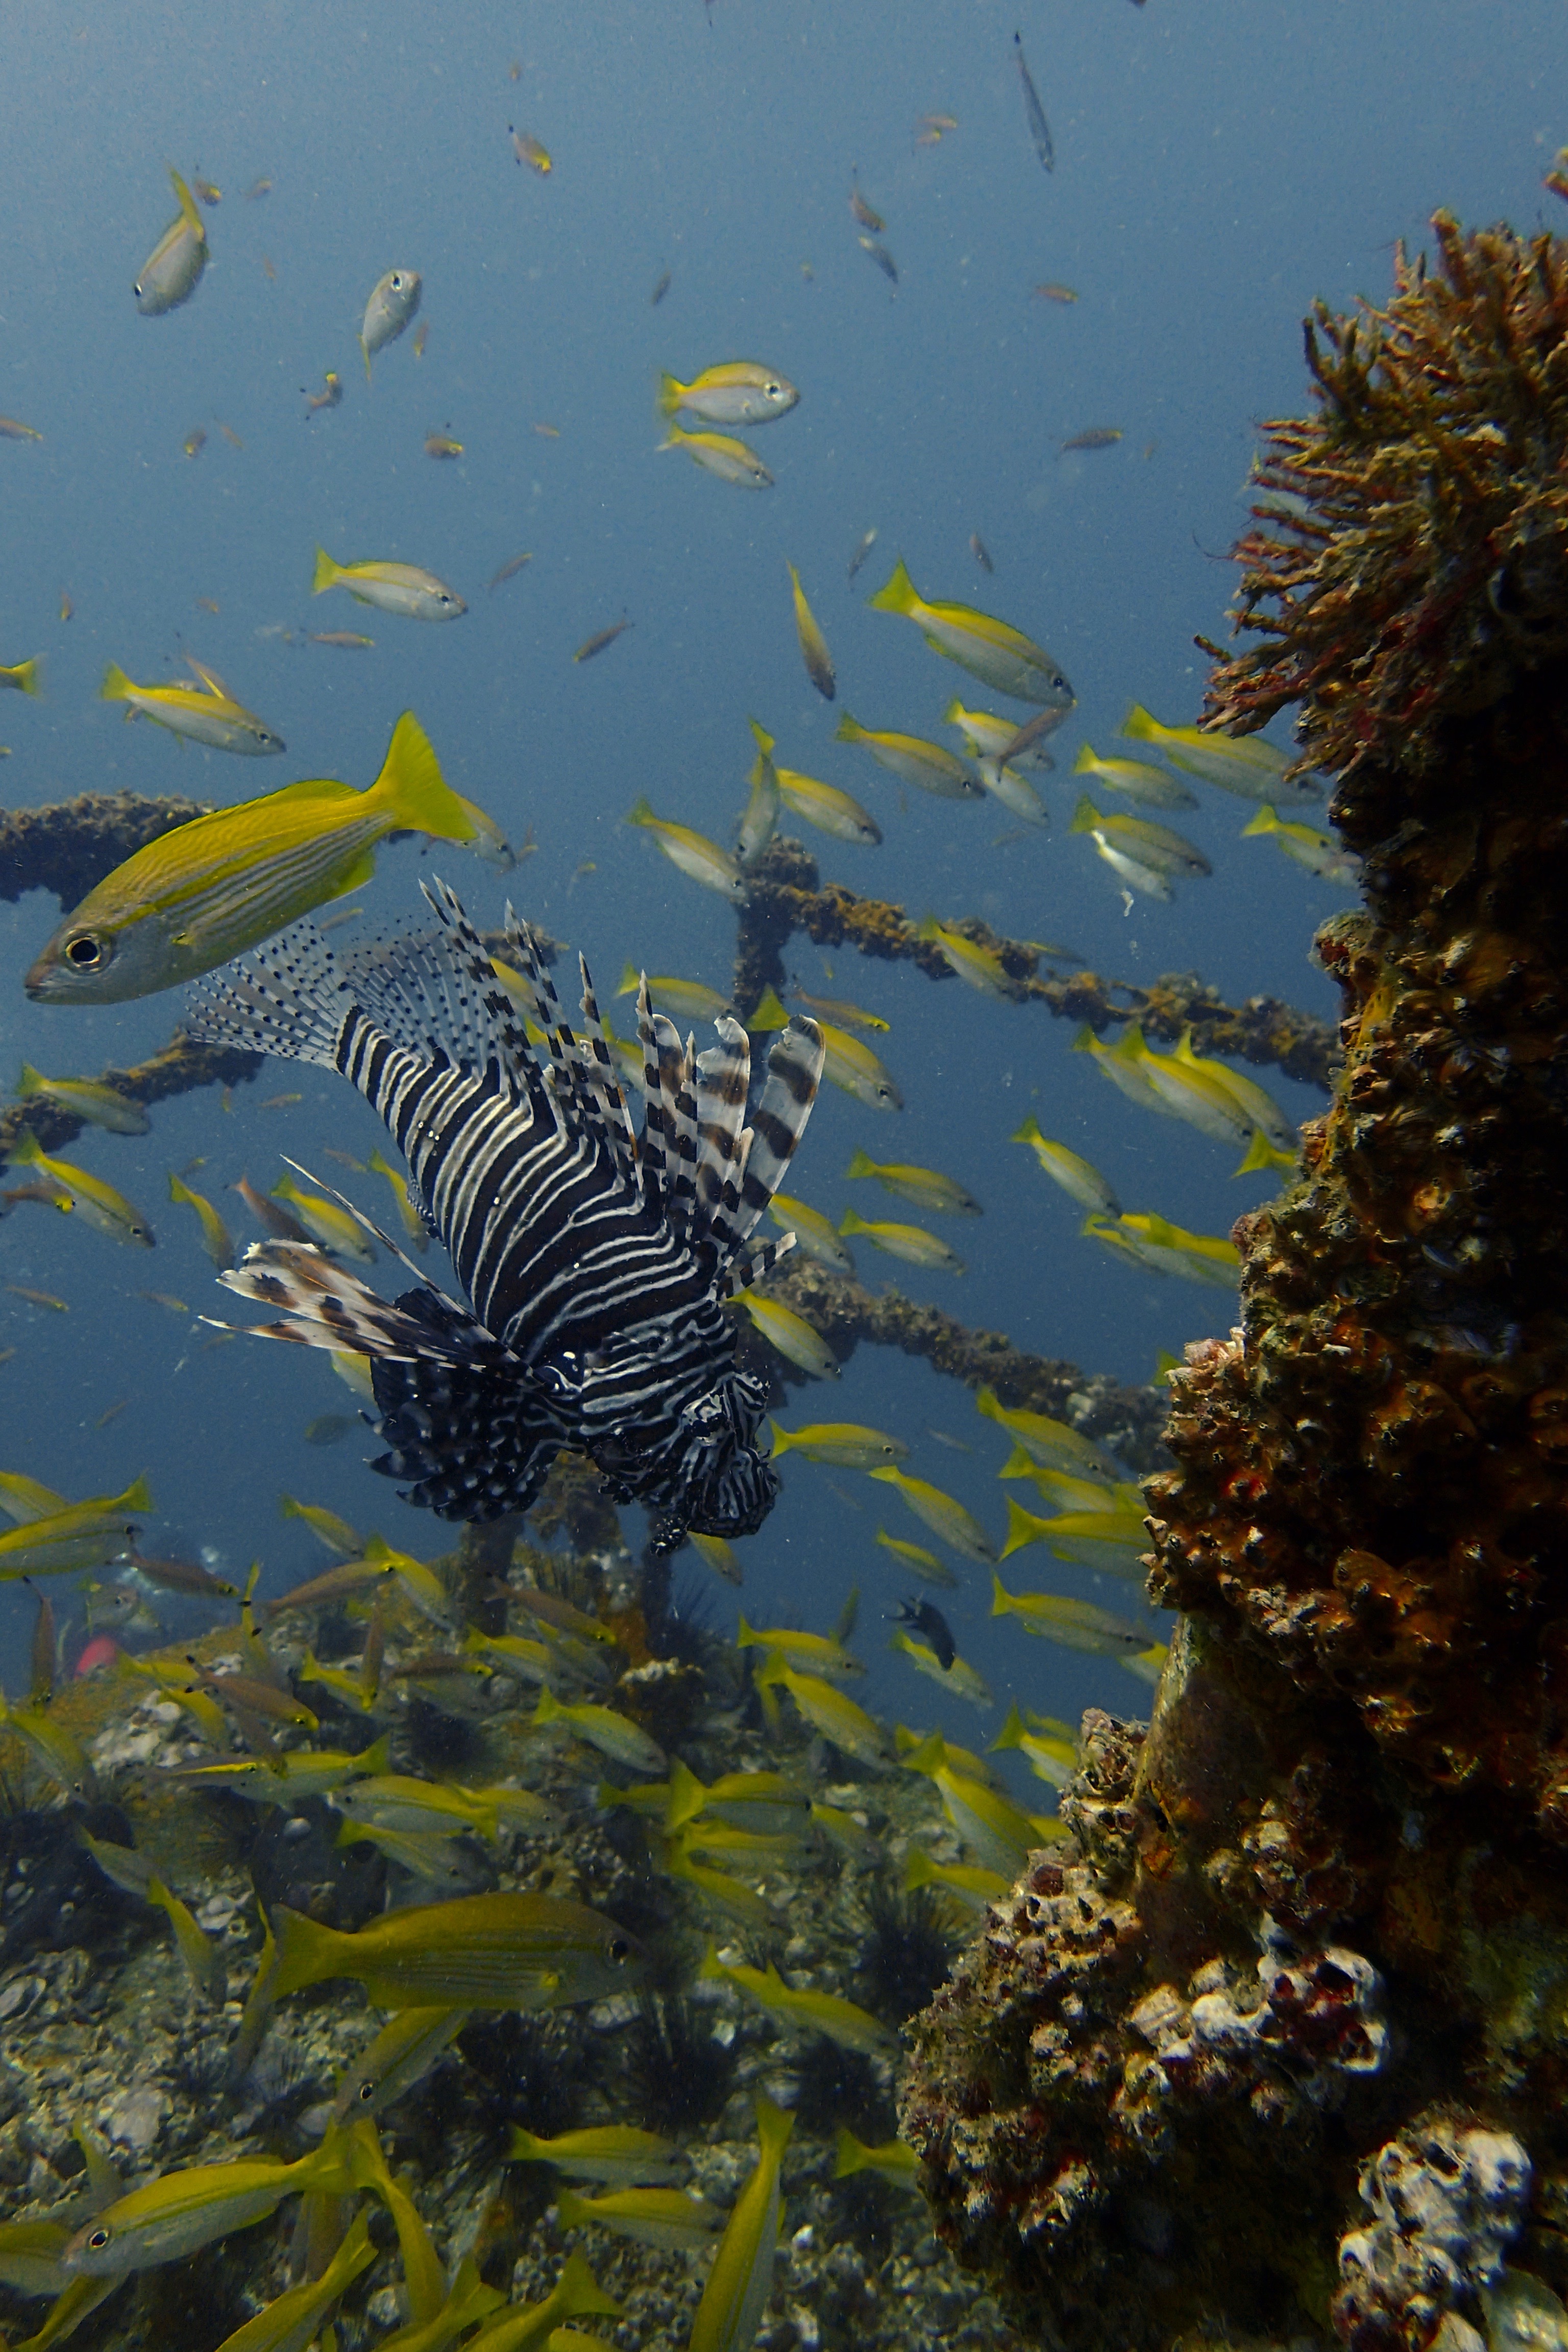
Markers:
point(204, 892)
point(207, 714)
point(813, 650)
point(172, 271)
point(911, 759)
point(1000, 656)
point(87, 1196)
point(943, 1516)
point(86, 1098)
point(790, 1333)
point(1075, 1176)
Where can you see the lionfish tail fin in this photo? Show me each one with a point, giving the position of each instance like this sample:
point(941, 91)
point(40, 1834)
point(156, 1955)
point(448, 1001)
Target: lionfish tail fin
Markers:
point(288, 997)
point(795, 1073)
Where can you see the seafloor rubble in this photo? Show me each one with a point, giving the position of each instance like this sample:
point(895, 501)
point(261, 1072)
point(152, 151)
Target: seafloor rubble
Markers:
point(1279, 2042)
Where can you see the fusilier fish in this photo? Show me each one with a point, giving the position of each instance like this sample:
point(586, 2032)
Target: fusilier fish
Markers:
point(404, 588)
point(739, 393)
point(1001, 656)
point(978, 966)
point(826, 1708)
point(922, 1562)
point(913, 759)
point(817, 1654)
point(1245, 764)
point(1166, 1248)
point(200, 894)
point(393, 300)
point(813, 650)
point(813, 1231)
point(325, 1222)
point(1139, 838)
point(1073, 1624)
point(172, 271)
point(622, 1351)
point(722, 453)
point(206, 713)
point(824, 806)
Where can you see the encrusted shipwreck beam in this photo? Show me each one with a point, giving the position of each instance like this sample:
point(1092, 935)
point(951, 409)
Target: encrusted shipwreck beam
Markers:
point(785, 894)
point(1277, 2040)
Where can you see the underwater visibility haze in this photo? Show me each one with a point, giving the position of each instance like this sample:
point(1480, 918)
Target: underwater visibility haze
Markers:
point(726, 489)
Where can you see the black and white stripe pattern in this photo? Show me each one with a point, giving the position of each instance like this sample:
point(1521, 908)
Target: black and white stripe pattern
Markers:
point(595, 1262)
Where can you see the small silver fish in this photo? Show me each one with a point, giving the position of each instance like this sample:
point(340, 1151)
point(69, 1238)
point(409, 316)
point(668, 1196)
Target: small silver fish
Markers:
point(393, 302)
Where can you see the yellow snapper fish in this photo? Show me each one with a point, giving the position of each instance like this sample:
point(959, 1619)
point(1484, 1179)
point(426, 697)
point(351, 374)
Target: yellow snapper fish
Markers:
point(913, 759)
point(1165, 1248)
point(294, 2317)
point(813, 650)
point(895, 2163)
point(1133, 873)
point(824, 806)
point(809, 2012)
point(182, 2211)
point(403, 589)
point(671, 2220)
point(204, 892)
point(1191, 1090)
point(1075, 1176)
point(987, 736)
point(814, 1234)
point(1073, 1624)
point(924, 1186)
point(1262, 1155)
point(172, 271)
point(996, 1832)
point(1140, 841)
point(393, 300)
point(826, 1708)
point(978, 967)
point(1070, 1490)
point(414, 1227)
point(325, 1526)
point(817, 1654)
point(761, 821)
point(974, 1887)
point(1320, 853)
point(216, 1239)
point(696, 856)
point(682, 1000)
point(796, 1340)
point(53, 1749)
point(1124, 1063)
point(960, 1678)
point(849, 1063)
point(738, 393)
point(1013, 791)
point(480, 1951)
point(1243, 764)
point(718, 1553)
point(945, 1518)
point(919, 1562)
point(843, 1442)
point(1153, 787)
point(846, 1015)
point(205, 714)
point(722, 454)
point(617, 2154)
point(86, 1098)
point(912, 1243)
point(741, 2276)
point(613, 1734)
point(1047, 1745)
point(325, 1222)
point(1000, 656)
point(22, 677)
point(1259, 1108)
point(1113, 1542)
point(84, 1195)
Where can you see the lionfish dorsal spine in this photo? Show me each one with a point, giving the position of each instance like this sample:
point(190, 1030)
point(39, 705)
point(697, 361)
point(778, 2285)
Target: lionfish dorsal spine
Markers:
point(795, 1073)
point(609, 1101)
point(658, 1139)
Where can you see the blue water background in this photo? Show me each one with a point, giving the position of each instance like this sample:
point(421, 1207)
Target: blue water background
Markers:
point(1216, 168)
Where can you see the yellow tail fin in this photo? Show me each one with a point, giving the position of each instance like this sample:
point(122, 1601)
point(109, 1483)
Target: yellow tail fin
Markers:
point(899, 595)
point(116, 686)
point(327, 572)
point(1141, 726)
point(862, 1164)
point(412, 790)
point(1087, 758)
point(669, 395)
point(848, 729)
point(24, 676)
point(1085, 817)
point(194, 220)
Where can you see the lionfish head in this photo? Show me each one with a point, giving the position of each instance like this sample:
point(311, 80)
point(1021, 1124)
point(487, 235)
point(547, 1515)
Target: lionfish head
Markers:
point(725, 1485)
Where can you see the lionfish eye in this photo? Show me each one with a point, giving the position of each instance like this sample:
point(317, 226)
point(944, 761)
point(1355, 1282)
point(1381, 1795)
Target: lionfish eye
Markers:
point(86, 951)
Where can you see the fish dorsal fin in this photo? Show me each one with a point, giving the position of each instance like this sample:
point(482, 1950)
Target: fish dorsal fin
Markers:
point(608, 1100)
point(678, 1088)
point(795, 1073)
point(567, 1074)
point(723, 1142)
point(209, 679)
point(755, 1265)
point(657, 1140)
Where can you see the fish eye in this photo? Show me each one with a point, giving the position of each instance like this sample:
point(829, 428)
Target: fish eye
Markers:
point(99, 2239)
point(88, 952)
point(620, 1947)
point(774, 390)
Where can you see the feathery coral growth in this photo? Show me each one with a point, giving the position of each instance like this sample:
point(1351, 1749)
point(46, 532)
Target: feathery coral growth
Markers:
point(1412, 554)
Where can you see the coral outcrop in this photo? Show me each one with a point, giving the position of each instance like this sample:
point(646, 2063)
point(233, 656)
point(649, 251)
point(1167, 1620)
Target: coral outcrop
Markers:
point(1279, 2043)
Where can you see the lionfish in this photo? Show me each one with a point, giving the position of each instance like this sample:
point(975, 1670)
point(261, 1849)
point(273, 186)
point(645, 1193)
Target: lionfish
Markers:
point(595, 1261)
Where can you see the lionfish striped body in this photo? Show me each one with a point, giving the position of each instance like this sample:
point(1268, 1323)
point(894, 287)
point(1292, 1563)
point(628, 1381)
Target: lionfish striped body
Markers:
point(595, 1260)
